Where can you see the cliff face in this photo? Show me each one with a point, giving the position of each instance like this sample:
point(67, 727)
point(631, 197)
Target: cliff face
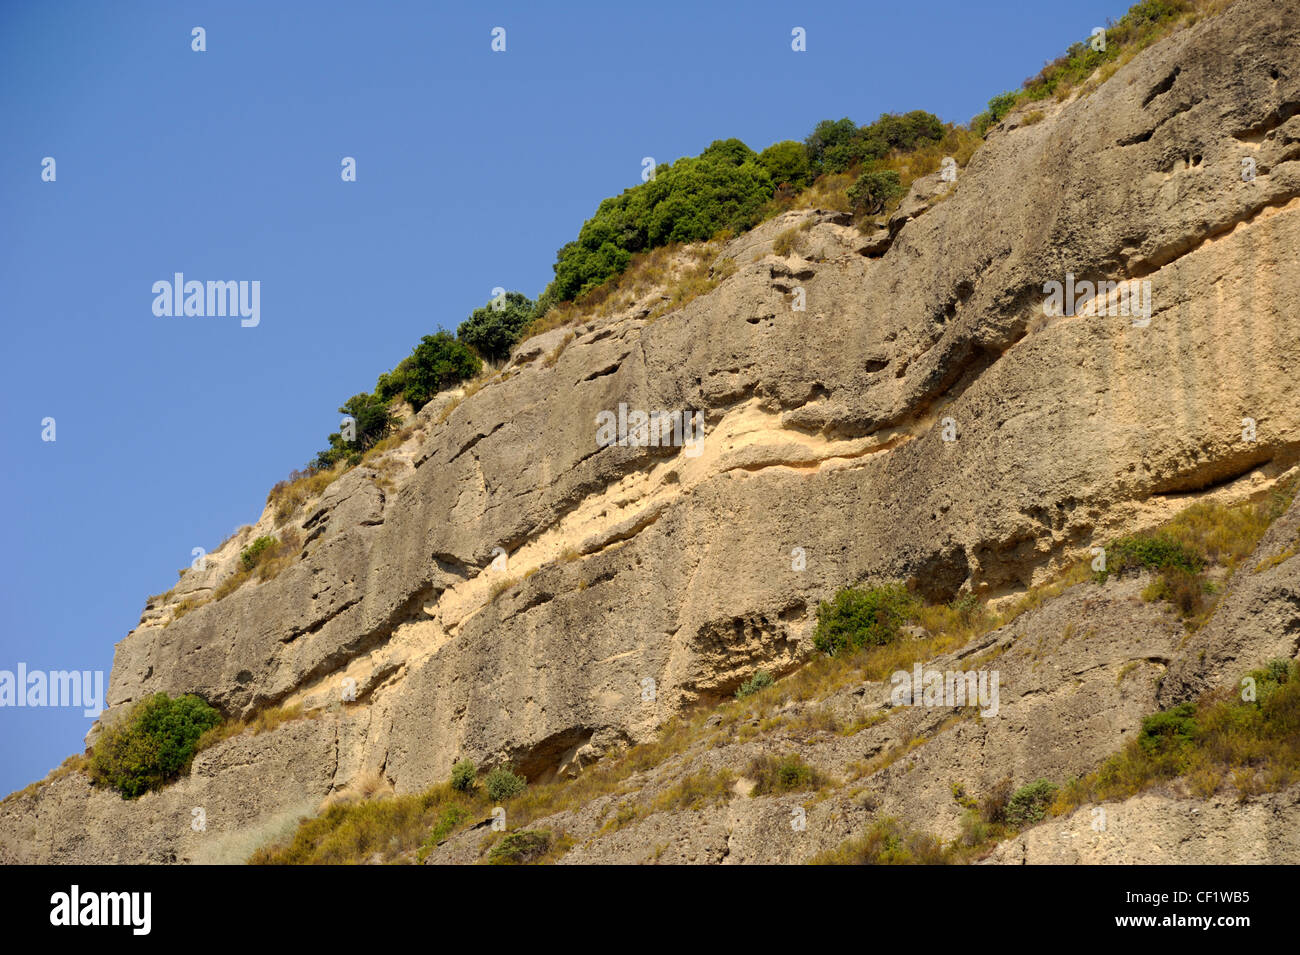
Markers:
point(825, 431)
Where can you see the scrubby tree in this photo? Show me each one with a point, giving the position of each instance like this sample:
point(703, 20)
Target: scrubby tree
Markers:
point(502, 784)
point(786, 163)
point(831, 145)
point(690, 200)
point(437, 363)
point(153, 744)
point(372, 420)
point(493, 330)
point(873, 191)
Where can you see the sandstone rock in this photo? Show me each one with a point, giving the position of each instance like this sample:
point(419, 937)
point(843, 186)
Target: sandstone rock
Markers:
point(828, 436)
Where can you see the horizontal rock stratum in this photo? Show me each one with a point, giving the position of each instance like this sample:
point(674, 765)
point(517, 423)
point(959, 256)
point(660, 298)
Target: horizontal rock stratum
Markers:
point(825, 431)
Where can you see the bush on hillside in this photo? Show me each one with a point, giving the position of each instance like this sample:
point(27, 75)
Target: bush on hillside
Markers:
point(492, 331)
point(1028, 804)
point(786, 163)
point(437, 363)
point(462, 775)
point(1156, 551)
point(502, 784)
point(840, 145)
point(252, 555)
point(152, 744)
point(690, 200)
point(1168, 730)
point(874, 190)
point(761, 680)
point(372, 420)
point(858, 618)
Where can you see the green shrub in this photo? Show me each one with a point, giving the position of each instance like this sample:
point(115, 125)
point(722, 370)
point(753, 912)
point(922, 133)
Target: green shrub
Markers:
point(999, 106)
point(493, 330)
point(786, 163)
point(761, 680)
point(372, 420)
point(1169, 730)
point(252, 555)
point(874, 190)
point(463, 774)
point(502, 784)
point(1028, 804)
point(857, 618)
point(520, 848)
point(834, 145)
point(690, 200)
point(439, 362)
point(451, 817)
point(840, 145)
point(152, 744)
point(789, 773)
point(1151, 552)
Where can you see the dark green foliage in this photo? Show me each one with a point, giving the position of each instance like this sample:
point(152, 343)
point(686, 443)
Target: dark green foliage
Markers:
point(520, 848)
point(502, 784)
point(1151, 552)
point(1169, 730)
point(786, 163)
point(874, 190)
point(858, 618)
point(691, 200)
point(761, 680)
point(151, 745)
point(901, 131)
point(999, 106)
point(437, 363)
point(834, 145)
point(373, 420)
point(1028, 804)
point(784, 774)
point(462, 775)
point(252, 555)
point(839, 145)
point(493, 330)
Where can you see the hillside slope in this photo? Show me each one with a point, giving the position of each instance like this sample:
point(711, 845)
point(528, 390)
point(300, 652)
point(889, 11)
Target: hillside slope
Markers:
point(825, 432)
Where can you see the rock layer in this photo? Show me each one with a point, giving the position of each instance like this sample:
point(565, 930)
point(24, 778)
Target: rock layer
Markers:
point(827, 439)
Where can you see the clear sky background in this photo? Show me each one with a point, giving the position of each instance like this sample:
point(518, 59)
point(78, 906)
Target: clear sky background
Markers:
point(473, 168)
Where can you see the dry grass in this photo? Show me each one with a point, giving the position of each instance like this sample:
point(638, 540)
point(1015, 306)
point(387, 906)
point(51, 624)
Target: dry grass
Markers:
point(787, 242)
point(384, 445)
point(352, 832)
point(299, 488)
point(554, 355)
point(263, 722)
point(1221, 740)
point(76, 763)
point(677, 273)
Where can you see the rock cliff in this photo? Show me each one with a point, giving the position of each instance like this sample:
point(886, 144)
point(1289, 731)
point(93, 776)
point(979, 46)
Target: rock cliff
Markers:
point(922, 419)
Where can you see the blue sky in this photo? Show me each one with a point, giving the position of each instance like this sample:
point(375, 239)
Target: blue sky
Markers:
point(473, 167)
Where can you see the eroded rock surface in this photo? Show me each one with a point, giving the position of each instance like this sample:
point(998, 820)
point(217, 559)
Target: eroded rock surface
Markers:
point(826, 433)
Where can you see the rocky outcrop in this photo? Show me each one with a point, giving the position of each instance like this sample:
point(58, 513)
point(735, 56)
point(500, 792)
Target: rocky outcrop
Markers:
point(1158, 829)
point(921, 419)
